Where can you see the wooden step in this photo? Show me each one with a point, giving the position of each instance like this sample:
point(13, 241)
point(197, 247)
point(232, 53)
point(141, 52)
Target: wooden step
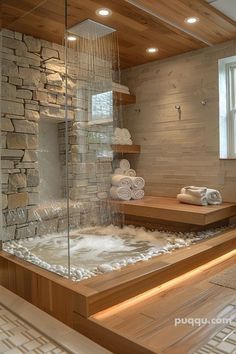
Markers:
point(147, 324)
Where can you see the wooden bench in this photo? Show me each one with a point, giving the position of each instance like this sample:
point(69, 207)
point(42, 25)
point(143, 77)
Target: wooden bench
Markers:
point(168, 213)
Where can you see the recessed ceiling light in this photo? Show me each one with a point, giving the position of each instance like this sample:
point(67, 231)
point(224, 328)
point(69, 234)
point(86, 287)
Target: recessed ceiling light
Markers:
point(103, 12)
point(191, 20)
point(152, 50)
point(71, 38)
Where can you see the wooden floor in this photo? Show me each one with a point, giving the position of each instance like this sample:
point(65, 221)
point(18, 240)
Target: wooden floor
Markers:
point(171, 210)
point(149, 323)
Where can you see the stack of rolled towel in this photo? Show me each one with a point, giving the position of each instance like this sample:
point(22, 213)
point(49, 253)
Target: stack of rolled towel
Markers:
point(199, 196)
point(121, 137)
point(125, 184)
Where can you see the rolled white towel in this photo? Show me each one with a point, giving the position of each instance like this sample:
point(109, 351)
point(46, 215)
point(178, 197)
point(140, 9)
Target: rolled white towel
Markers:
point(121, 181)
point(124, 164)
point(137, 182)
point(130, 172)
point(193, 190)
point(191, 199)
point(119, 171)
point(213, 196)
point(120, 193)
point(121, 136)
point(125, 141)
point(137, 194)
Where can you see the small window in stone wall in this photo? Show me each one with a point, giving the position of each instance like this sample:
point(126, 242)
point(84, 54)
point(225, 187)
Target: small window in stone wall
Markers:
point(50, 168)
point(227, 107)
point(101, 108)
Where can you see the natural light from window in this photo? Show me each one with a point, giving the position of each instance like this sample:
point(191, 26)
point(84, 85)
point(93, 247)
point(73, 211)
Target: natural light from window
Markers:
point(101, 108)
point(227, 107)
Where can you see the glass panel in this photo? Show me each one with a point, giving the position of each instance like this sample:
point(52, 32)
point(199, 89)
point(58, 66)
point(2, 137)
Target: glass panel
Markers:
point(93, 67)
point(58, 118)
point(35, 213)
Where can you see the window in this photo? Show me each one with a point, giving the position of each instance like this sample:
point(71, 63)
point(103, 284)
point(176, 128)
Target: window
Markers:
point(101, 110)
point(227, 102)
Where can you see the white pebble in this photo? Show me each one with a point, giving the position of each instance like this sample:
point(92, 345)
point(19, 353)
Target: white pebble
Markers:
point(105, 268)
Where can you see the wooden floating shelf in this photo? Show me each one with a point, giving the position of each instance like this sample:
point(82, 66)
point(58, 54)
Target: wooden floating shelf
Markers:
point(123, 98)
point(126, 149)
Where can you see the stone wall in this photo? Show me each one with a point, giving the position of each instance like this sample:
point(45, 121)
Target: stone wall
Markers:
point(33, 88)
point(178, 151)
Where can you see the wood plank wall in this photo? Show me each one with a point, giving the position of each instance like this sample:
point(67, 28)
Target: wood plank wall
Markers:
point(179, 151)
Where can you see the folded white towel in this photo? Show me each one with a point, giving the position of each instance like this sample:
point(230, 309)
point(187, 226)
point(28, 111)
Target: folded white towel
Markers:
point(115, 140)
point(125, 133)
point(128, 142)
point(122, 137)
point(117, 131)
point(137, 194)
point(121, 141)
point(117, 86)
point(119, 171)
point(123, 90)
point(125, 141)
point(195, 191)
point(137, 182)
point(130, 172)
point(121, 181)
point(120, 193)
point(213, 196)
point(191, 199)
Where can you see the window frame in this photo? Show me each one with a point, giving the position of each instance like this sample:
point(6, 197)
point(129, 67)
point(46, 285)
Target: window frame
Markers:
point(227, 107)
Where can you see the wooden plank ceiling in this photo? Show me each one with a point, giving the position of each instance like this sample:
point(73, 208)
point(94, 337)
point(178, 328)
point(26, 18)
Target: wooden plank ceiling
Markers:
point(151, 23)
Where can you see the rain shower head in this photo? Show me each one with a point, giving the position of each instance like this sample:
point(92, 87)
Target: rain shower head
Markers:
point(90, 29)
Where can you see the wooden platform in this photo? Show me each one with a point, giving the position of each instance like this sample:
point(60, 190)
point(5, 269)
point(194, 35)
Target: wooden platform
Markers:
point(169, 211)
point(47, 290)
point(74, 303)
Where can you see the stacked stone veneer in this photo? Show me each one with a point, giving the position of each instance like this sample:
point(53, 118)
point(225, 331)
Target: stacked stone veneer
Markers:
point(33, 88)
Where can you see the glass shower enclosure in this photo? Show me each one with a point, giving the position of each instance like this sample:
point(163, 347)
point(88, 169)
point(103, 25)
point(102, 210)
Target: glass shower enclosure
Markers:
point(58, 114)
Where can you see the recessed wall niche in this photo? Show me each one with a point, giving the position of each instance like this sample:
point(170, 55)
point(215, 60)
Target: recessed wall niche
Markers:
point(50, 187)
